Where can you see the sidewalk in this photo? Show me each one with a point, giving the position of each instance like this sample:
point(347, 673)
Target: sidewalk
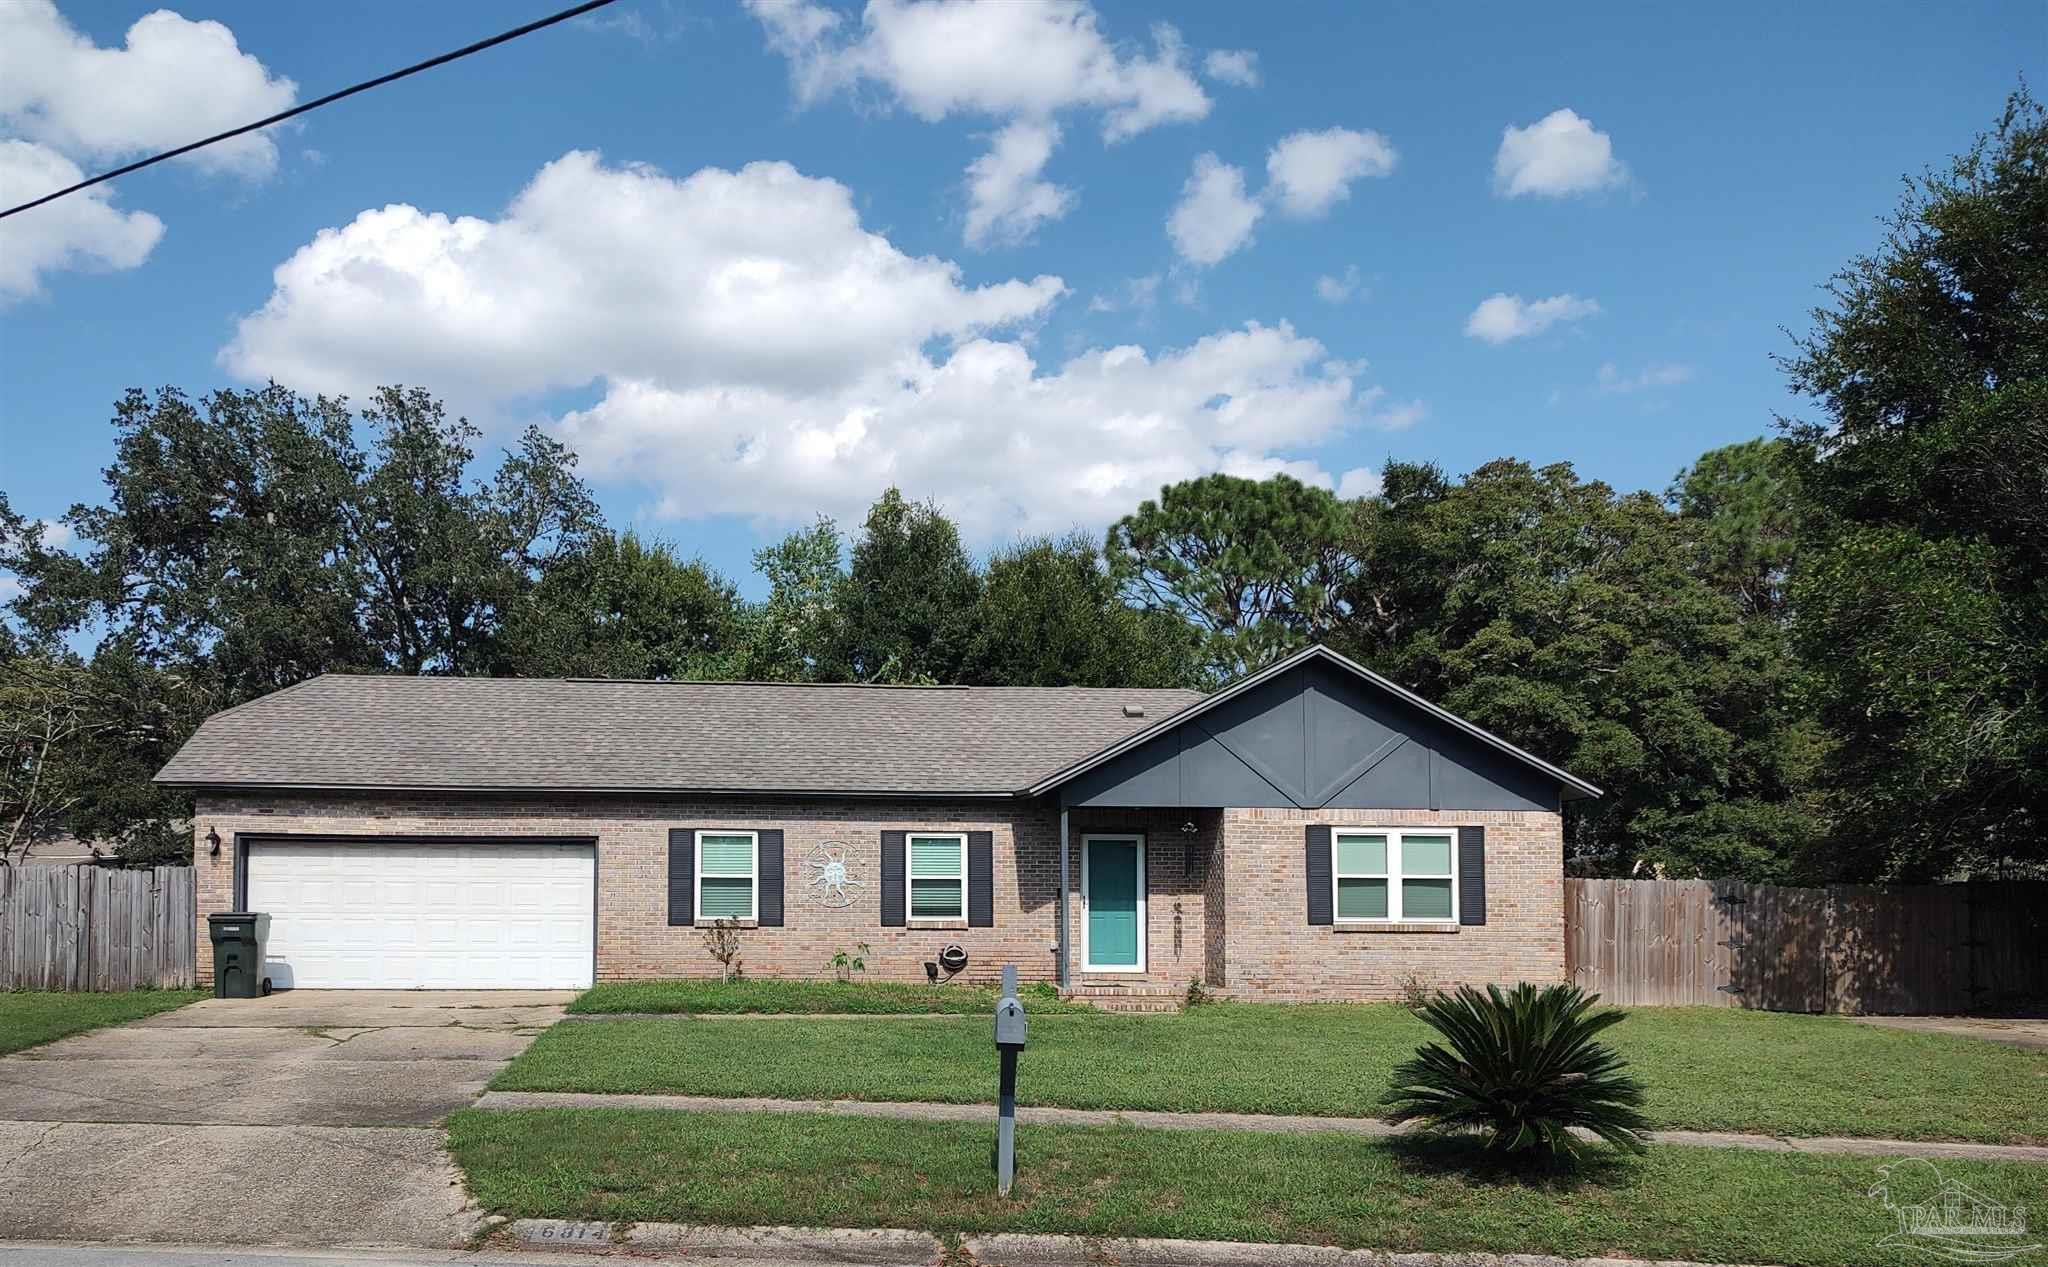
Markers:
point(541, 1243)
point(887, 1246)
point(1042, 1116)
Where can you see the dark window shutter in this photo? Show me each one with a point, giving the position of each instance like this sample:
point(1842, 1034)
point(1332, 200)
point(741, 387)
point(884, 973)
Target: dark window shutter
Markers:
point(770, 907)
point(981, 879)
point(893, 849)
point(1320, 896)
point(1471, 875)
point(682, 875)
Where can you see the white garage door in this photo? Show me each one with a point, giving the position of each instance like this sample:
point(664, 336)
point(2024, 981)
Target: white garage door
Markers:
point(426, 917)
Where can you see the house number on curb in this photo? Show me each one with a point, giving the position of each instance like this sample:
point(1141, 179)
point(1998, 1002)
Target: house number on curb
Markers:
point(828, 875)
point(555, 1233)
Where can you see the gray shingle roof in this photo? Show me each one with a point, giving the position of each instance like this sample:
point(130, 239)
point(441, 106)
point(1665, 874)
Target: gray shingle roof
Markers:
point(345, 731)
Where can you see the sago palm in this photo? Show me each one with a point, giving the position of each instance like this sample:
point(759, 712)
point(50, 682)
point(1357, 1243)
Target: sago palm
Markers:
point(1524, 1068)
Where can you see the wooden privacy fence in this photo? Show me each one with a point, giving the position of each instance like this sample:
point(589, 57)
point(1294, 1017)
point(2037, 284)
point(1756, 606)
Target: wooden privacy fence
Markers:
point(95, 928)
point(1876, 949)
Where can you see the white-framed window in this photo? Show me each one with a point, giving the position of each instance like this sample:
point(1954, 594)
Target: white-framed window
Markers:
point(1395, 876)
point(728, 875)
point(937, 875)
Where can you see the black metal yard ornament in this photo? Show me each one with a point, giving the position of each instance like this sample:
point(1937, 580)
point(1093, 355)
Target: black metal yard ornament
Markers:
point(1009, 1041)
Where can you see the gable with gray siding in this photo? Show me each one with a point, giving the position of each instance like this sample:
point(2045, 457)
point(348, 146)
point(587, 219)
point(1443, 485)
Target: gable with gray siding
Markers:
point(1317, 736)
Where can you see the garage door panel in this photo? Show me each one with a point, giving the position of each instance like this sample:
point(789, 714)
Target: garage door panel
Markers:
point(400, 916)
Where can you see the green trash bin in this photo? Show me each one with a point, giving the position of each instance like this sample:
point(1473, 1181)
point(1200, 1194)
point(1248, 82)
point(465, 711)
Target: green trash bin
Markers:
point(238, 938)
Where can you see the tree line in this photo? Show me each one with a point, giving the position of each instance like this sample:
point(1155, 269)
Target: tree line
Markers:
point(1817, 655)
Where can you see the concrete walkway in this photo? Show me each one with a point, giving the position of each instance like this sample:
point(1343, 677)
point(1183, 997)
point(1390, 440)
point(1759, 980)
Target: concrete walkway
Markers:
point(924, 1111)
point(2030, 1032)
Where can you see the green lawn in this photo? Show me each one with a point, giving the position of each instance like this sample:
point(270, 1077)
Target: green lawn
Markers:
point(32, 1017)
point(1704, 1204)
point(1706, 1068)
point(800, 997)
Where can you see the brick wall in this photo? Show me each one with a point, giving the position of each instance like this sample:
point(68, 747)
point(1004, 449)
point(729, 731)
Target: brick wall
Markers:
point(1270, 950)
point(634, 938)
point(1224, 902)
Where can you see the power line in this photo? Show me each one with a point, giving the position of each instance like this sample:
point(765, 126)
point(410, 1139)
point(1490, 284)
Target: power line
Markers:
point(365, 86)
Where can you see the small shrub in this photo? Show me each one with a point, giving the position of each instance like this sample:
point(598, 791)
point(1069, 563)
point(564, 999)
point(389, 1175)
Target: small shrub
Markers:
point(1198, 994)
point(845, 965)
point(1522, 1068)
point(1415, 996)
point(722, 939)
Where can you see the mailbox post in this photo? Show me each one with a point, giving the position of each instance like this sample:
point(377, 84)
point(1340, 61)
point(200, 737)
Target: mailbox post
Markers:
point(1009, 1041)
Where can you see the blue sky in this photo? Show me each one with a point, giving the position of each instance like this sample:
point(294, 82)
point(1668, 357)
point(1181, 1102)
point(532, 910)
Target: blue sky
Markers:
point(733, 348)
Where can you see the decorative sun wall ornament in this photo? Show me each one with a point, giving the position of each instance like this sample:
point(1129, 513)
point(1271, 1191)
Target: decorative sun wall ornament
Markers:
point(827, 874)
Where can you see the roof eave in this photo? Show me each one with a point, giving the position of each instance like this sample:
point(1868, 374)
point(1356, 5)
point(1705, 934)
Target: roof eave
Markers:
point(593, 789)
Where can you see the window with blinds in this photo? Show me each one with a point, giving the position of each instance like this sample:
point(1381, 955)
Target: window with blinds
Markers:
point(937, 877)
point(728, 875)
point(1394, 876)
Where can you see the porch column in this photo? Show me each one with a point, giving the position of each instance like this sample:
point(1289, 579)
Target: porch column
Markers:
point(1062, 905)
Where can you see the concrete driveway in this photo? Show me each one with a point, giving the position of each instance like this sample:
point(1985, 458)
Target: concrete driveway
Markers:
point(307, 1118)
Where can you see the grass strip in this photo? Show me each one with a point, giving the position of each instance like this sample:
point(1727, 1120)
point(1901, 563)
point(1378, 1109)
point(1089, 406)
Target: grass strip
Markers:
point(740, 1169)
point(798, 998)
point(1706, 1069)
point(29, 1018)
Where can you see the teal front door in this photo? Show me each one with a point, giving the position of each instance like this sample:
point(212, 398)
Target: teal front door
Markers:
point(1113, 868)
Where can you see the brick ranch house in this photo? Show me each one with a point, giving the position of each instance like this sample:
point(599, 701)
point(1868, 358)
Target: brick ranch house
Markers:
point(1311, 831)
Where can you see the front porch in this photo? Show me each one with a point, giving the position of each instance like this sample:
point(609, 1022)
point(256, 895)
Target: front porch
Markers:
point(1143, 913)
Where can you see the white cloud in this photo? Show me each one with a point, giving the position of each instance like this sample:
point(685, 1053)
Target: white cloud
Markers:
point(1359, 481)
point(799, 29)
point(1003, 445)
point(1504, 317)
point(1237, 67)
point(1338, 288)
point(56, 534)
point(1652, 376)
point(1214, 217)
point(1310, 172)
point(1556, 156)
point(941, 57)
point(83, 231)
point(623, 272)
point(1006, 200)
point(753, 350)
point(1400, 416)
point(1019, 63)
point(1307, 174)
point(633, 24)
point(1139, 294)
point(173, 81)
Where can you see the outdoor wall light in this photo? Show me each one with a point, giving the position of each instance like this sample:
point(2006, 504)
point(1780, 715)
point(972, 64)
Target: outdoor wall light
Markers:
point(213, 842)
